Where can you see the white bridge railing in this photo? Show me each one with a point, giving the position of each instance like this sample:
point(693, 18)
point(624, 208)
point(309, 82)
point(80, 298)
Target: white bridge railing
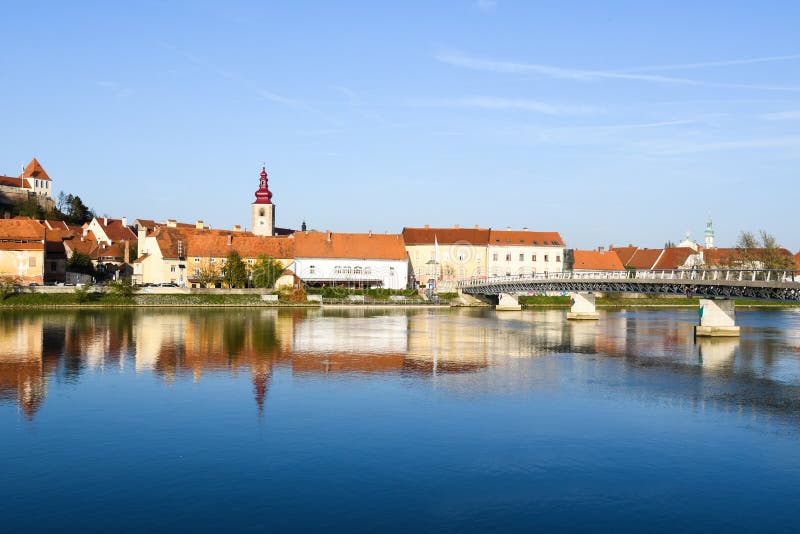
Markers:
point(730, 275)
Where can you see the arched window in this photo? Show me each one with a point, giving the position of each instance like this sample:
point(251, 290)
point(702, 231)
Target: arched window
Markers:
point(261, 212)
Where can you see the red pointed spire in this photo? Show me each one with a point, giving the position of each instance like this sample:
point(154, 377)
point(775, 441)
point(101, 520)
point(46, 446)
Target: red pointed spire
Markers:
point(263, 195)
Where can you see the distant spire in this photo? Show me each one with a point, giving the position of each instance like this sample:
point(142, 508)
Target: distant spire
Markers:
point(263, 195)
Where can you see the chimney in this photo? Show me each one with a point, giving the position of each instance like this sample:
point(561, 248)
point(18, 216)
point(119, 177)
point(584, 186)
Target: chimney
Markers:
point(328, 232)
point(455, 226)
point(230, 239)
point(199, 224)
point(172, 223)
point(124, 221)
point(141, 235)
point(127, 257)
point(237, 228)
point(370, 233)
point(427, 226)
point(524, 228)
point(105, 221)
point(85, 231)
point(508, 228)
point(476, 226)
point(601, 249)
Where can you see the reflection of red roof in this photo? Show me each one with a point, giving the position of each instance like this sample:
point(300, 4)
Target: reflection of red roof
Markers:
point(673, 258)
point(445, 236)
point(594, 260)
point(35, 170)
point(341, 245)
point(524, 238)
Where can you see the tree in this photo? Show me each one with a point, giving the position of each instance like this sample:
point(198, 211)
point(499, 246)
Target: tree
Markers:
point(762, 251)
point(266, 271)
point(8, 286)
point(208, 274)
point(28, 207)
point(122, 287)
point(77, 211)
point(80, 263)
point(235, 272)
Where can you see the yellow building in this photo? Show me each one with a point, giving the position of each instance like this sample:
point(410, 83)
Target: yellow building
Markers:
point(442, 256)
point(22, 250)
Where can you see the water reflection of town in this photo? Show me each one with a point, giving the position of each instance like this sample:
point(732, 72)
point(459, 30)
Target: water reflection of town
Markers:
point(36, 348)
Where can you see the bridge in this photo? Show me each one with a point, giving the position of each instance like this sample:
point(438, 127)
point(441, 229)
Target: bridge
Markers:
point(715, 287)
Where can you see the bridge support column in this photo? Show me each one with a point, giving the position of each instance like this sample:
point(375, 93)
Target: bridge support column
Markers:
point(582, 307)
point(717, 319)
point(507, 302)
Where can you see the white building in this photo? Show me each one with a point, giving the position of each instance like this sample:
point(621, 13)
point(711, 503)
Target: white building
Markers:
point(351, 260)
point(513, 253)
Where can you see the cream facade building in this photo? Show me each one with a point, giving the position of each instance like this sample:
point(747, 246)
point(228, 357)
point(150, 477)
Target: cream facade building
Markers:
point(522, 252)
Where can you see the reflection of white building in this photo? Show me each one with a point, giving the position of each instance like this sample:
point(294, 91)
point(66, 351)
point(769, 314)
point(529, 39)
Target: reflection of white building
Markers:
point(385, 334)
point(353, 260)
point(717, 354)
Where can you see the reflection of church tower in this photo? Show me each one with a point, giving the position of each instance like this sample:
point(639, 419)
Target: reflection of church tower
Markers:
point(709, 234)
point(263, 208)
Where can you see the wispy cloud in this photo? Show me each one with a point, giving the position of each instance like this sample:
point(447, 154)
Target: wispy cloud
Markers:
point(724, 63)
point(512, 67)
point(793, 115)
point(519, 104)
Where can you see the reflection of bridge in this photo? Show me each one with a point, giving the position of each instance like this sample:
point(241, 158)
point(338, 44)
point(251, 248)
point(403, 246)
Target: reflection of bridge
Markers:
point(716, 316)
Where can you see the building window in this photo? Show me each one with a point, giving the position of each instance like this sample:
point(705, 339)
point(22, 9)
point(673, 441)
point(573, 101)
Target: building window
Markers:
point(522, 257)
point(545, 258)
point(558, 259)
point(367, 270)
point(508, 257)
point(494, 256)
point(357, 270)
point(197, 260)
point(52, 266)
point(533, 258)
point(172, 268)
point(391, 271)
point(213, 260)
point(461, 256)
point(32, 261)
point(312, 269)
point(196, 271)
point(250, 261)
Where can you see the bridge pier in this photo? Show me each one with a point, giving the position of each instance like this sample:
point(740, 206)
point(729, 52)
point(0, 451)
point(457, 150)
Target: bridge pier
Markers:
point(507, 302)
point(717, 319)
point(582, 307)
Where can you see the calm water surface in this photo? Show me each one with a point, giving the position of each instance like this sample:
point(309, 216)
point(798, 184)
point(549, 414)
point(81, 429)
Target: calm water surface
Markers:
point(425, 420)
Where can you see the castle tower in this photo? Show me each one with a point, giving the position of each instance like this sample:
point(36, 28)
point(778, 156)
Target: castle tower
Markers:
point(709, 234)
point(263, 208)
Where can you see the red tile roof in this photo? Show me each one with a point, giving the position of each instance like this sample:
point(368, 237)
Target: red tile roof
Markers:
point(10, 181)
point(115, 230)
point(644, 258)
point(341, 245)
point(35, 170)
point(730, 257)
point(214, 243)
point(673, 258)
point(594, 260)
point(445, 236)
point(524, 238)
point(625, 253)
point(22, 229)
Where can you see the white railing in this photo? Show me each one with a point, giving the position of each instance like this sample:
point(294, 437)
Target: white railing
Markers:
point(729, 275)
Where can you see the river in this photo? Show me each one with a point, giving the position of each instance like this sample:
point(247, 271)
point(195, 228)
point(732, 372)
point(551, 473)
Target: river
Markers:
point(397, 420)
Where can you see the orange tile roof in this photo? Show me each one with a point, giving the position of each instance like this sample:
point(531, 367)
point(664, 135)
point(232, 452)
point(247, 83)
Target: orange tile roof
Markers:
point(625, 253)
point(10, 181)
point(35, 170)
point(644, 258)
point(673, 258)
point(445, 236)
point(343, 245)
point(56, 225)
point(116, 251)
point(115, 230)
point(594, 260)
point(524, 238)
point(22, 229)
point(727, 256)
point(214, 243)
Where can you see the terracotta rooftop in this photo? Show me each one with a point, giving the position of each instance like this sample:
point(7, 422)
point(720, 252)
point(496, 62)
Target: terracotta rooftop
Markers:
point(35, 170)
point(21, 229)
point(10, 181)
point(625, 253)
point(594, 260)
point(445, 236)
point(673, 258)
point(342, 245)
point(644, 258)
point(214, 243)
point(115, 230)
point(524, 238)
point(725, 256)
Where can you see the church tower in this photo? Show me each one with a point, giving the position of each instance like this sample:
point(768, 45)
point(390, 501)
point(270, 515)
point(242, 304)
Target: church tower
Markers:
point(709, 234)
point(263, 208)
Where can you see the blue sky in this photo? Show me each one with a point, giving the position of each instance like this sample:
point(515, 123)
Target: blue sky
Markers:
point(610, 122)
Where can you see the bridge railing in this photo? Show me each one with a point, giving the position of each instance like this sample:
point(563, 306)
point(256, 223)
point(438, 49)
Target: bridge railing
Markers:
point(730, 275)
